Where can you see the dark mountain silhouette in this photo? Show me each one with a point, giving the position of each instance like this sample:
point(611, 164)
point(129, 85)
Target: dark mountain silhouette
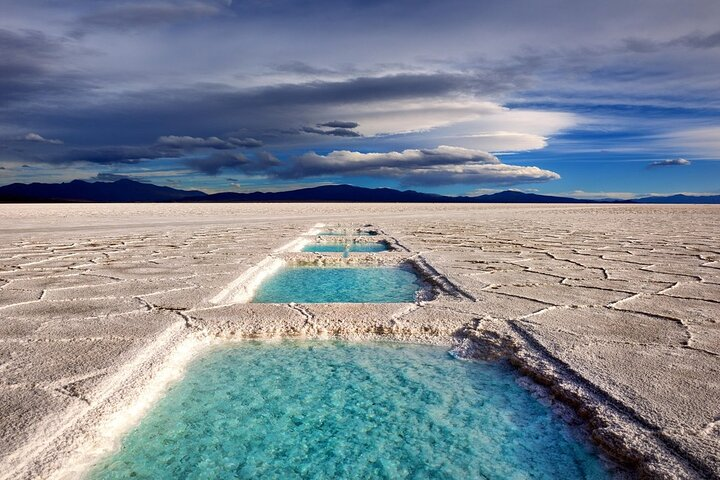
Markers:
point(331, 193)
point(349, 193)
point(82, 191)
point(131, 191)
point(513, 196)
point(682, 199)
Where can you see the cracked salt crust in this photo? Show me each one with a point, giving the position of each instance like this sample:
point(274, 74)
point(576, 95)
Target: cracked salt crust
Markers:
point(613, 306)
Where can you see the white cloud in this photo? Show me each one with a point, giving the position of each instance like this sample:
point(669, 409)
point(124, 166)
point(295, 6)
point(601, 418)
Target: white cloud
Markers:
point(670, 162)
point(702, 141)
point(481, 191)
point(599, 195)
point(442, 165)
point(503, 141)
point(466, 122)
point(509, 130)
point(36, 137)
point(417, 115)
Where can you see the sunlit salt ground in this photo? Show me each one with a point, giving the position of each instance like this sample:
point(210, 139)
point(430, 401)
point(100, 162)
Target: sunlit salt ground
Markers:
point(342, 247)
point(339, 284)
point(332, 410)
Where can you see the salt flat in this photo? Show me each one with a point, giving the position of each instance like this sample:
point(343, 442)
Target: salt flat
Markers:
point(613, 308)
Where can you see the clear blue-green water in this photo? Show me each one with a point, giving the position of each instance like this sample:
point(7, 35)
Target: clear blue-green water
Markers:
point(332, 410)
point(343, 247)
point(339, 284)
point(349, 233)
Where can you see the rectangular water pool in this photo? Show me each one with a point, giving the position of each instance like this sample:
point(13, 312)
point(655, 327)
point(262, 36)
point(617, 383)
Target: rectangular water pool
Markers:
point(326, 410)
point(346, 247)
point(348, 233)
point(312, 284)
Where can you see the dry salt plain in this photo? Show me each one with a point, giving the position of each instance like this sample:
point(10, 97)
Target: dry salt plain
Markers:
point(611, 310)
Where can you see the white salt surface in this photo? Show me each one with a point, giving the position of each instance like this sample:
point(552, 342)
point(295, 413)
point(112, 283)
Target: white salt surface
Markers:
point(615, 306)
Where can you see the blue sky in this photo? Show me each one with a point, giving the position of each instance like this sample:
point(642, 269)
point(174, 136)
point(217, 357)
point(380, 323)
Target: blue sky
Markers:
point(590, 99)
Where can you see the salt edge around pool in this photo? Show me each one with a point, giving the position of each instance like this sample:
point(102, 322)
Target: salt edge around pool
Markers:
point(576, 431)
point(115, 427)
point(243, 288)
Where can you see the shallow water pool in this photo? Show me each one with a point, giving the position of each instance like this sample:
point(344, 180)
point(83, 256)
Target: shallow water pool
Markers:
point(346, 247)
point(339, 284)
point(334, 410)
point(350, 233)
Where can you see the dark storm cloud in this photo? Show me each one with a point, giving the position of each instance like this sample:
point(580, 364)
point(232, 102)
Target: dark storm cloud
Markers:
point(190, 143)
point(26, 61)
point(390, 87)
point(669, 163)
point(303, 68)
point(213, 164)
point(114, 155)
point(339, 124)
point(640, 45)
point(135, 16)
point(245, 142)
point(260, 163)
point(354, 90)
point(337, 128)
point(266, 160)
point(205, 110)
point(168, 146)
point(698, 40)
point(111, 177)
point(335, 132)
point(25, 46)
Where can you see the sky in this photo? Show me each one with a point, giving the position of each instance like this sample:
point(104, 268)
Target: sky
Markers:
point(610, 99)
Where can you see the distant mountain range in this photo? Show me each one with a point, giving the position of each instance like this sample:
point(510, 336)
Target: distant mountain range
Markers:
point(132, 191)
point(82, 191)
point(349, 193)
point(680, 198)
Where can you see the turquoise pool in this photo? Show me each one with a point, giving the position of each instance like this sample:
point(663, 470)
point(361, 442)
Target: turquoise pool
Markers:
point(339, 284)
point(334, 410)
point(349, 233)
point(346, 247)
